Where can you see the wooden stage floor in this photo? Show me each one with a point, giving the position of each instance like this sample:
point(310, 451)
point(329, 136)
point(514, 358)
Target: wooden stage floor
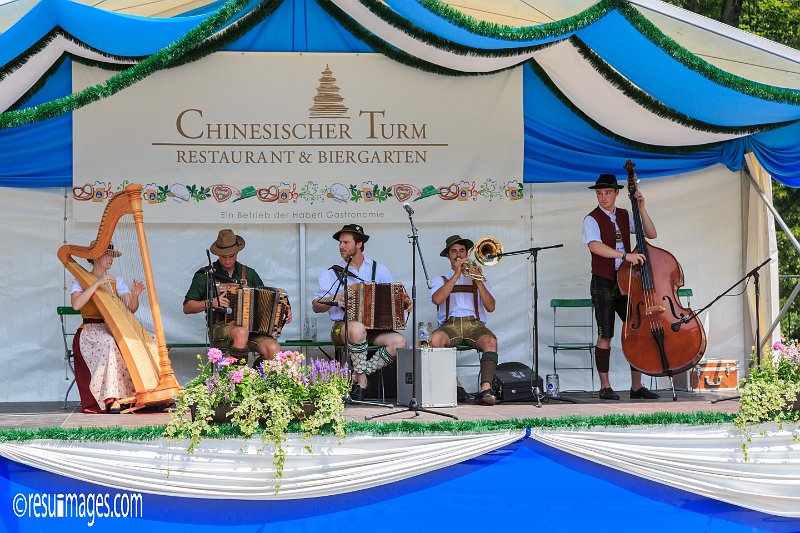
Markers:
point(52, 414)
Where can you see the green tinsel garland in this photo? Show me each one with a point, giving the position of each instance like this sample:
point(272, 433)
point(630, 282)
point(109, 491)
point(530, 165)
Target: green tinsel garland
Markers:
point(147, 433)
point(208, 46)
point(540, 72)
point(392, 18)
point(557, 28)
point(392, 52)
point(657, 107)
point(42, 43)
point(704, 68)
point(638, 21)
point(168, 57)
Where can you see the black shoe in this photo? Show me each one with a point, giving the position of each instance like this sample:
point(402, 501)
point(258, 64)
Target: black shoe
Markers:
point(358, 393)
point(461, 394)
point(608, 394)
point(485, 397)
point(643, 394)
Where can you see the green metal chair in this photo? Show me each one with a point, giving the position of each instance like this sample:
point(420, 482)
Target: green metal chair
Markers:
point(573, 330)
point(63, 313)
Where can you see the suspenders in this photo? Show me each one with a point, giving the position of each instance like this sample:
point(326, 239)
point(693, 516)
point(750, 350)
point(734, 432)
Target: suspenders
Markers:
point(462, 288)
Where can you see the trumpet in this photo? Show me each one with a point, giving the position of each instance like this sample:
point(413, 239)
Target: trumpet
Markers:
point(485, 253)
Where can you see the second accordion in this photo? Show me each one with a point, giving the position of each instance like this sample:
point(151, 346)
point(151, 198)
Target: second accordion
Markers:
point(377, 305)
point(260, 310)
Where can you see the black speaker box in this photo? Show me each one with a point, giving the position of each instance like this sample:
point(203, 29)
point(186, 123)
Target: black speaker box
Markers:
point(512, 381)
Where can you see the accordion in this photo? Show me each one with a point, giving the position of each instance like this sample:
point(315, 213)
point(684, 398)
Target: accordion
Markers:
point(377, 305)
point(258, 310)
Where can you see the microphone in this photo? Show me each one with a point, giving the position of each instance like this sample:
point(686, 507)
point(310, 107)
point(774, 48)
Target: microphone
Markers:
point(676, 325)
point(341, 271)
point(408, 209)
point(223, 310)
point(332, 303)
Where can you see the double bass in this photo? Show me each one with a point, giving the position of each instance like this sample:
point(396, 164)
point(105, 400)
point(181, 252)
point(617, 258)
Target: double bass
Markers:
point(650, 341)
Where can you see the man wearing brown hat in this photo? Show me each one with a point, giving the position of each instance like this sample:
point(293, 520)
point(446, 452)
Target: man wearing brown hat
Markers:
point(351, 240)
point(607, 232)
point(238, 341)
point(462, 303)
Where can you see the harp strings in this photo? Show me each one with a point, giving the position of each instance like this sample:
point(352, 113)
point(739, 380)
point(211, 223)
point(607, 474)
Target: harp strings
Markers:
point(129, 267)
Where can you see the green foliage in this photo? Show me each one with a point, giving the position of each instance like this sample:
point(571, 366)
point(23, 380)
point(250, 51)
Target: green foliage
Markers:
point(708, 8)
point(777, 20)
point(266, 400)
point(771, 391)
point(786, 199)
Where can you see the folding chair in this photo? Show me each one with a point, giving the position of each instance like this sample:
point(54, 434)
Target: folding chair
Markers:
point(64, 312)
point(573, 330)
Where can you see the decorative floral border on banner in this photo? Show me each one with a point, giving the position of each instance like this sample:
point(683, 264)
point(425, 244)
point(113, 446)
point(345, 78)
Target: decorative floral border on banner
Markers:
point(309, 192)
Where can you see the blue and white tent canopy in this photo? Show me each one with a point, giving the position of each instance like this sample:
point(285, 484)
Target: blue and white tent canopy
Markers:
point(602, 82)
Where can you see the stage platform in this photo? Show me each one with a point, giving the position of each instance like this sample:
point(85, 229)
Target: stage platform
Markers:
point(52, 414)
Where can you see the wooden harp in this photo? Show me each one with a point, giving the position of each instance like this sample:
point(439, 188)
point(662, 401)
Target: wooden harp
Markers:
point(145, 354)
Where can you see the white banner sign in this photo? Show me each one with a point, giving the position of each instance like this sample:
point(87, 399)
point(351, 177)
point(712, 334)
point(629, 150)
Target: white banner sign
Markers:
point(263, 137)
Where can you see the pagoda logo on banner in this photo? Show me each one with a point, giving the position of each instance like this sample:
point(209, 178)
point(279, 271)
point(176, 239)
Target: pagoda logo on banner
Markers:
point(328, 101)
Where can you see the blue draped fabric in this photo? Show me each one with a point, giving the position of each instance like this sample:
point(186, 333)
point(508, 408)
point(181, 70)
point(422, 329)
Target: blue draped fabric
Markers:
point(40, 154)
point(559, 145)
point(113, 33)
point(667, 80)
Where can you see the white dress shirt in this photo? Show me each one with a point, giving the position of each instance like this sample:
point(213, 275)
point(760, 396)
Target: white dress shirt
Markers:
point(461, 303)
point(328, 282)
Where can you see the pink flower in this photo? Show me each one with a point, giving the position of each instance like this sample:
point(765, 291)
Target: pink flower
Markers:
point(227, 361)
point(214, 354)
point(778, 346)
point(237, 376)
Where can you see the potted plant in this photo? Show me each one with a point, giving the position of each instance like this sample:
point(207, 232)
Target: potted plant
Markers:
point(263, 400)
point(771, 391)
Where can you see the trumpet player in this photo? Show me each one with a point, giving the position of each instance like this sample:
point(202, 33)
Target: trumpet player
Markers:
point(463, 297)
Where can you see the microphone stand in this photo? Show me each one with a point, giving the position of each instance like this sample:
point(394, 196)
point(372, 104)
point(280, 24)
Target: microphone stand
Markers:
point(342, 278)
point(755, 275)
point(413, 405)
point(536, 389)
point(211, 293)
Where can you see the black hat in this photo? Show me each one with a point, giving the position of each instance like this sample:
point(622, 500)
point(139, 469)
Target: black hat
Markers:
point(456, 239)
point(606, 181)
point(355, 229)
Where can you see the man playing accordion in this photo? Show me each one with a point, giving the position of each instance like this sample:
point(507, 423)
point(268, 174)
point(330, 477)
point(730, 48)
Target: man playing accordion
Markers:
point(238, 341)
point(351, 240)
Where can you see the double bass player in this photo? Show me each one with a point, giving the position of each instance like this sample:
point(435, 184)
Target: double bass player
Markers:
point(607, 232)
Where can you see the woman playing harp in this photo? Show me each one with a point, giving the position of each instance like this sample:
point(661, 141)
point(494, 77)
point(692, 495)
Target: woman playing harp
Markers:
point(143, 348)
point(100, 372)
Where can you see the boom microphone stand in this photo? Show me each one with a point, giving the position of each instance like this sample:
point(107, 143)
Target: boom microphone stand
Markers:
point(413, 405)
point(535, 379)
point(755, 275)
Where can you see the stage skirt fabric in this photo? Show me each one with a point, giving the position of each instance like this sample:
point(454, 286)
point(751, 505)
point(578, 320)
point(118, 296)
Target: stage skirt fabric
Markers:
point(108, 376)
point(663, 479)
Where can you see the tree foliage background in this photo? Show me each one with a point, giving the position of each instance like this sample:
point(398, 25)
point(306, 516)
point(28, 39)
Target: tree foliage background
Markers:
point(779, 21)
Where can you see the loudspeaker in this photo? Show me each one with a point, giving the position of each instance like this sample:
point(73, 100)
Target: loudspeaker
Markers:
point(435, 385)
point(512, 381)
